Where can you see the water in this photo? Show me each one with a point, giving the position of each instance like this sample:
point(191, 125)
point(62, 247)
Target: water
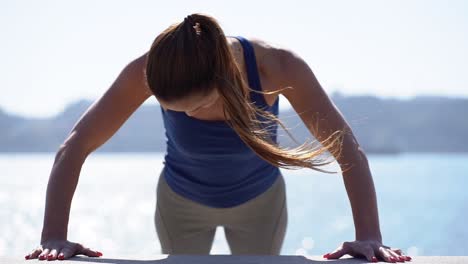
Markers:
point(422, 204)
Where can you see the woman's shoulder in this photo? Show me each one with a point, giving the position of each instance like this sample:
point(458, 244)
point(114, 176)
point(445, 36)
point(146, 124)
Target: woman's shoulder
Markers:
point(271, 57)
point(135, 73)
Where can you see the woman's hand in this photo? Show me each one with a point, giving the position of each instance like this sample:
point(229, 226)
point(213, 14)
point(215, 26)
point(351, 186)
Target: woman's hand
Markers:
point(372, 250)
point(60, 249)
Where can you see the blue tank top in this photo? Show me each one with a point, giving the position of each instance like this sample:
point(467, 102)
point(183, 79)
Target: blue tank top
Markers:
point(207, 162)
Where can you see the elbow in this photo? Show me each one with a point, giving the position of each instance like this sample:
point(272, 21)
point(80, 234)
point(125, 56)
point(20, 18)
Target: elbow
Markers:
point(74, 145)
point(352, 154)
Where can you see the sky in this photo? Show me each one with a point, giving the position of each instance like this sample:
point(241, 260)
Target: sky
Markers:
point(56, 52)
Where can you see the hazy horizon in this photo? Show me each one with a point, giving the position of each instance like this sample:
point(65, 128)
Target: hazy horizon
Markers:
point(60, 52)
point(284, 104)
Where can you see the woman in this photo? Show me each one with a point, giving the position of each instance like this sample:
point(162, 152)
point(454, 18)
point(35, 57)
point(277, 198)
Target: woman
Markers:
point(219, 101)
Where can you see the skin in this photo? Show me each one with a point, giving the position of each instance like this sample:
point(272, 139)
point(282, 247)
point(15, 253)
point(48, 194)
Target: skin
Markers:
point(198, 106)
point(279, 68)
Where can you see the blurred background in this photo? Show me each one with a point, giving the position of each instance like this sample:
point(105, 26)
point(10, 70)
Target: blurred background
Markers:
point(395, 69)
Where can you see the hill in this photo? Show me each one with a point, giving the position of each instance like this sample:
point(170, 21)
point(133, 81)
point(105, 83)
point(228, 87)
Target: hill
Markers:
point(421, 124)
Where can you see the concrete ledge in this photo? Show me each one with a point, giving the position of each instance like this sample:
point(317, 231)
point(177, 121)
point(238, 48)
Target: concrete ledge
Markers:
point(227, 259)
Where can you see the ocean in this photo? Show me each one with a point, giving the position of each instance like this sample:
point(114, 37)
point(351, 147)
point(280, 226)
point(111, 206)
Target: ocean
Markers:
point(423, 205)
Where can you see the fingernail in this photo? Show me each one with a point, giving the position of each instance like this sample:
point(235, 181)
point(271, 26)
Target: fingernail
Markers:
point(99, 253)
point(41, 257)
point(61, 257)
point(374, 259)
point(402, 259)
point(408, 258)
point(26, 257)
point(393, 259)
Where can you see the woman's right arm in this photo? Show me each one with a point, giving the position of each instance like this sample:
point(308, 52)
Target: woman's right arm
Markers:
point(93, 129)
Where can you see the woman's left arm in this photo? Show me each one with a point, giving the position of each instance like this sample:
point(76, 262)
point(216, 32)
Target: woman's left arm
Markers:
point(322, 118)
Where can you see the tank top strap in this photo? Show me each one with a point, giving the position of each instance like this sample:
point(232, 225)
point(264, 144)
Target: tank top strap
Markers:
point(252, 72)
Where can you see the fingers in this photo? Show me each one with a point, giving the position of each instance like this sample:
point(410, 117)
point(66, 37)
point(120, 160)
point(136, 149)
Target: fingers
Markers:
point(52, 254)
point(49, 254)
point(397, 257)
point(34, 254)
point(368, 252)
point(398, 254)
point(403, 257)
point(401, 254)
point(338, 253)
point(44, 253)
point(88, 252)
point(354, 249)
point(91, 253)
point(369, 249)
point(61, 251)
point(386, 255)
point(397, 251)
point(390, 256)
point(66, 253)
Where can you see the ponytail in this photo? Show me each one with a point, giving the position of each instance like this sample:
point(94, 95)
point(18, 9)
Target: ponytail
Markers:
point(193, 57)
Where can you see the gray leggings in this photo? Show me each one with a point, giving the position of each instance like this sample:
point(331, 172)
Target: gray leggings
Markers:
point(256, 227)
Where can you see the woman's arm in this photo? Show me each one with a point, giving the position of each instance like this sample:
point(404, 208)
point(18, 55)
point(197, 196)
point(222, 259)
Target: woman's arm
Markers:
point(93, 129)
point(322, 118)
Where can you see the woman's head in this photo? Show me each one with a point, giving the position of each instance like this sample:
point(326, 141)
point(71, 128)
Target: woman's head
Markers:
point(189, 59)
point(190, 66)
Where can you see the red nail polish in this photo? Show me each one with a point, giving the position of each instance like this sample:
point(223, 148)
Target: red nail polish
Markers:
point(26, 257)
point(41, 257)
point(374, 259)
point(408, 258)
point(61, 257)
point(99, 253)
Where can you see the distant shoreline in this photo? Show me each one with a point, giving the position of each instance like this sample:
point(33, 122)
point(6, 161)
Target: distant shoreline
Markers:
point(381, 126)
